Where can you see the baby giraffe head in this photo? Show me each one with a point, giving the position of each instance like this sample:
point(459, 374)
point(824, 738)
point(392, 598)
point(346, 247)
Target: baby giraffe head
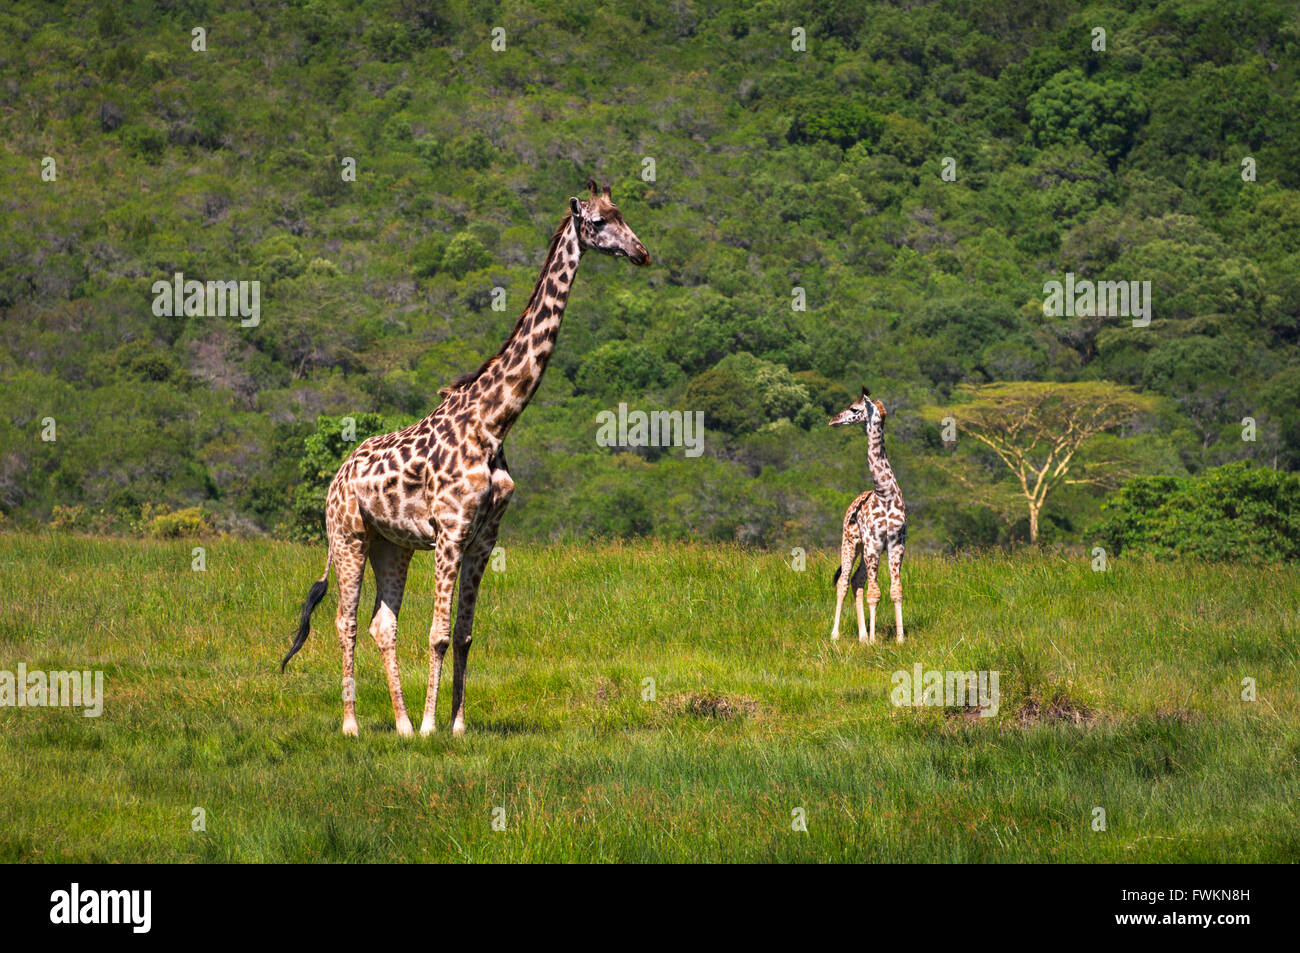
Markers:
point(601, 227)
point(864, 411)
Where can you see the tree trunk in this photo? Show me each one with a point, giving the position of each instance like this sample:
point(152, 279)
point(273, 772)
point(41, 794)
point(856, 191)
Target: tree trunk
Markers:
point(1033, 523)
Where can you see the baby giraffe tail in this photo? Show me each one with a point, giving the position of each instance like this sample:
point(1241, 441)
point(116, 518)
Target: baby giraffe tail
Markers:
point(314, 596)
point(859, 578)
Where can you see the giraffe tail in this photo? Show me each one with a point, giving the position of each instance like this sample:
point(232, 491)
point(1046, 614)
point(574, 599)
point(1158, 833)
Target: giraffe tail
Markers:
point(314, 596)
point(859, 578)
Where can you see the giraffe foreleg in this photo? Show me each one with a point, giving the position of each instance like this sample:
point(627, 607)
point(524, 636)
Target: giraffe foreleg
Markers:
point(471, 575)
point(472, 566)
point(446, 567)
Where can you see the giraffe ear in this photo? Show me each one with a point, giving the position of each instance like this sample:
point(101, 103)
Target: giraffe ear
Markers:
point(575, 208)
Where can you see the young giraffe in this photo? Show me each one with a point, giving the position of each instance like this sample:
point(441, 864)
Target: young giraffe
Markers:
point(876, 520)
point(442, 483)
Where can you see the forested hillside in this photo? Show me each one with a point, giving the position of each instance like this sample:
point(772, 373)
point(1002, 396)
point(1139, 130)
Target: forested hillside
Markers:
point(911, 174)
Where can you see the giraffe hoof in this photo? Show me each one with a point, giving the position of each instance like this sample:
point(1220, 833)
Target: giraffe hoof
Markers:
point(350, 729)
point(404, 728)
point(458, 729)
point(427, 729)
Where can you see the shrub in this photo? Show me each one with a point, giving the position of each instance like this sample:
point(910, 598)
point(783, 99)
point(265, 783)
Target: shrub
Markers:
point(163, 523)
point(67, 519)
point(1236, 512)
point(278, 257)
point(1070, 107)
point(623, 370)
point(322, 268)
point(728, 405)
point(776, 389)
point(465, 253)
point(427, 255)
point(472, 151)
point(143, 360)
point(143, 142)
point(839, 121)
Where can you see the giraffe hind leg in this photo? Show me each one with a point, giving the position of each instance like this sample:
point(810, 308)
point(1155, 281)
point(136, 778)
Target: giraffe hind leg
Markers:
point(390, 563)
point(349, 555)
point(872, 561)
point(896, 586)
point(859, 581)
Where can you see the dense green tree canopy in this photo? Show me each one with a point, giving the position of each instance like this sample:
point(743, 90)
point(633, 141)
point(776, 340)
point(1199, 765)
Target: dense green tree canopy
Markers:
point(881, 203)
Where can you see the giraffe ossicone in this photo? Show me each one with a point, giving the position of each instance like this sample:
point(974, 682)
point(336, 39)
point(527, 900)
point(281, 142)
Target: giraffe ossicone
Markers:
point(875, 522)
point(442, 484)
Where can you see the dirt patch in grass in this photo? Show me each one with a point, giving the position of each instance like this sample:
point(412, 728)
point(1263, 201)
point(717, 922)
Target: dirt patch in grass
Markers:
point(725, 707)
point(1062, 708)
point(606, 690)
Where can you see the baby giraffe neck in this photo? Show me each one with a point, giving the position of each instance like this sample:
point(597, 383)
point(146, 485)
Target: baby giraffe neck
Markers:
point(881, 472)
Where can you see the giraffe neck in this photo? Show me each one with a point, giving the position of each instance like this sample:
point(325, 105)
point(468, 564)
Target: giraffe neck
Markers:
point(509, 380)
point(881, 472)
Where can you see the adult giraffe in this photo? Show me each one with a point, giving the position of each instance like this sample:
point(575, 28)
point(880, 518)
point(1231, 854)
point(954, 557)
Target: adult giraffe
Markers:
point(442, 483)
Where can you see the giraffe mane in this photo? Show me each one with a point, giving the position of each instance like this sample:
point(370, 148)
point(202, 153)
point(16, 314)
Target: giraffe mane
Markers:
point(470, 377)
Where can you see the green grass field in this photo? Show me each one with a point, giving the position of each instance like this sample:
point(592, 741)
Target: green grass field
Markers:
point(1120, 690)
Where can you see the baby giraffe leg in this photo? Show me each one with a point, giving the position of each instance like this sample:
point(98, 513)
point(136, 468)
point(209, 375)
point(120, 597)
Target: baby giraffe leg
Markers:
point(896, 586)
point(848, 550)
point(859, 579)
point(871, 561)
point(841, 589)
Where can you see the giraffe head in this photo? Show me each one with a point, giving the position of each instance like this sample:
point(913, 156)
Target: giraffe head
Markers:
point(864, 410)
point(601, 227)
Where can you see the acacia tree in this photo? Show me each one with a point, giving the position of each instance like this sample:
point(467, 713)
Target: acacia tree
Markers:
point(1037, 430)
